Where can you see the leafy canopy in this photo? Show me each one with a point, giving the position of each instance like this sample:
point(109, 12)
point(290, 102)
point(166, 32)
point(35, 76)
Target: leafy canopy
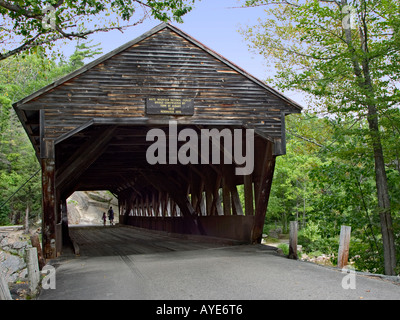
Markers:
point(40, 23)
point(328, 49)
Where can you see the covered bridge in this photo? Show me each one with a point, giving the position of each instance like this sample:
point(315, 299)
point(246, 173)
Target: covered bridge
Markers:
point(168, 126)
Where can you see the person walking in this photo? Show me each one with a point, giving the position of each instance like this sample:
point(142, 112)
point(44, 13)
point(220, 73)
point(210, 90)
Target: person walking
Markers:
point(111, 216)
point(104, 218)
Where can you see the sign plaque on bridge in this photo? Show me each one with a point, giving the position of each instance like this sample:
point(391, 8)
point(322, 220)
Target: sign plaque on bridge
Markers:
point(170, 106)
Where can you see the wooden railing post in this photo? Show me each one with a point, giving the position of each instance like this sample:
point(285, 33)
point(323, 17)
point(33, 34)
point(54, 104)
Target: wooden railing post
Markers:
point(4, 290)
point(33, 269)
point(293, 240)
point(344, 244)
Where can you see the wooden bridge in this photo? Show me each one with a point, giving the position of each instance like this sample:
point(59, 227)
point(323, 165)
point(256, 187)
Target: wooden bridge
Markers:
point(128, 122)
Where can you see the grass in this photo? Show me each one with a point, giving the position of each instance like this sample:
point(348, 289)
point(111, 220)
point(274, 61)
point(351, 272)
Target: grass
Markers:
point(285, 248)
point(272, 240)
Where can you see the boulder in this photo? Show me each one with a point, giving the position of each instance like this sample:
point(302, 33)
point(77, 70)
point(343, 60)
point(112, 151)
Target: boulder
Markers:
point(11, 265)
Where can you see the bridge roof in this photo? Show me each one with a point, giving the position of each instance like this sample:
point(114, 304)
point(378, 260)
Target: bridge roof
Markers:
point(162, 51)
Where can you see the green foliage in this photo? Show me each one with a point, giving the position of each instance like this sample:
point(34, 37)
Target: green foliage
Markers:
point(309, 45)
point(311, 232)
point(331, 160)
point(83, 51)
point(4, 211)
point(365, 257)
point(312, 240)
point(34, 26)
point(350, 72)
point(284, 247)
point(20, 77)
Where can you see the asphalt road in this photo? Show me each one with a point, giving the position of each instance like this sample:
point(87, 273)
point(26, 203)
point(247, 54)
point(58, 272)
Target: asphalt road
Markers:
point(128, 263)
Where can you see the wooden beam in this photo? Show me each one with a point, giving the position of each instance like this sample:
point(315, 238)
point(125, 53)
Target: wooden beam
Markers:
point(81, 160)
point(226, 197)
point(178, 195)
point(264, 188)
point(131, 197)
point(236, 204)
point(227, 183)
point(248, 195)
point(216, 207)
point(49, 209)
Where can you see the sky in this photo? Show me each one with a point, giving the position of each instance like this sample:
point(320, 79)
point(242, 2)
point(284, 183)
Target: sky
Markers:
point(216, 24)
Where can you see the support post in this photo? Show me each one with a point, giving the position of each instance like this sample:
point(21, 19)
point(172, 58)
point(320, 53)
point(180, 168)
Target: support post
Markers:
point(47, 157)
point(263, 189)
point(49, 210)
point(49, 203)
point(344, 245)
point(33, 269)
point(236, 205)
point(248, 195)
point(226, 197)
point(4, 290)
point(293, 240)
point(36, 244)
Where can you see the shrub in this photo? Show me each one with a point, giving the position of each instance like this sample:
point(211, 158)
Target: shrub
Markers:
point(365, 258)
point(284, 247)
point(311, 240)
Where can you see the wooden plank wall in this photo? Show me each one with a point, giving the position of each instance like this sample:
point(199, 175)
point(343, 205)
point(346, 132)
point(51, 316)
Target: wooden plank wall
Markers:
point(164, 64)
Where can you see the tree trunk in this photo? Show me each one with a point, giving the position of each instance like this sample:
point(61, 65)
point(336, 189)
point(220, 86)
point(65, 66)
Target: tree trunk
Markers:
point(27, 219)
point(366, 85)
point(389, 251)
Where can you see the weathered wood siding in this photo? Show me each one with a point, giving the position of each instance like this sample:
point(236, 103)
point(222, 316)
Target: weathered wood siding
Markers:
point(163, 64)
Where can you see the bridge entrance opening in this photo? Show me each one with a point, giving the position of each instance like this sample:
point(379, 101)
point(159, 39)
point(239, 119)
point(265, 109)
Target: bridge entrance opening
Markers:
point(86, 208)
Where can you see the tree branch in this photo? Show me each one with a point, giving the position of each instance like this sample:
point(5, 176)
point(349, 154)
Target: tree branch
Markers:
point(36, 41)
point(17, 9)
point(305, 139)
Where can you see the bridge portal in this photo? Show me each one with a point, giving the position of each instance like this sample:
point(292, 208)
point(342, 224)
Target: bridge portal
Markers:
point(185, 139)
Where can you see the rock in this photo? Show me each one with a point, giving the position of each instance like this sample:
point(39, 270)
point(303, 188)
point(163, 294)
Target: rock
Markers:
point(19, 245)
point(23, 274)
point(19, 291)
point(304, 257)
point(11, 266)
point(4, 242)
point(273, 234)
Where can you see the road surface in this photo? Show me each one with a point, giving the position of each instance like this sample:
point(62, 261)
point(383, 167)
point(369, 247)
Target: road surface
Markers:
point(130, 263)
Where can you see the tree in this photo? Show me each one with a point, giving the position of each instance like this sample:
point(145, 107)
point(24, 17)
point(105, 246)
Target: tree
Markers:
point(19, 77)
point(346, 54)
point(40, 23)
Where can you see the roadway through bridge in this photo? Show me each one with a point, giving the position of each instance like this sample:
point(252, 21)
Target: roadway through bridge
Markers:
point(132, 263)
